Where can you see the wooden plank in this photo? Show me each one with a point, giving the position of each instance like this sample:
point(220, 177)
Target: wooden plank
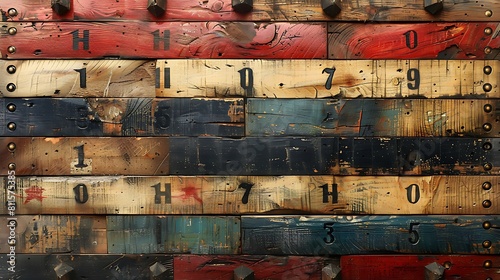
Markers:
point(164, 40)
point(339, 235)
point(455, 40)
point(234, 195)
point(86, 156)
point(263, 10)
point(31, 266)
point(56, 234)
point(467, 267)
point(123, 117)
point(78, 78)
point(250, 156)
point(173, 234)
point(328, 78)
point(372, 117)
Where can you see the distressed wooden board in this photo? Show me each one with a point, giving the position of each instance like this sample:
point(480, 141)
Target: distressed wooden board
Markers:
point(56, 234)
point(173, 234)
point(466, 267)
point(371, 117)
point(63, 78)
point(250, 156)
point(31, 266)
point(454, 40)
point(86, 156)
point(123, 117)
point(36, 40)
point(263, 10)
point(317, 79)
point(228, 195)
point(340, 235)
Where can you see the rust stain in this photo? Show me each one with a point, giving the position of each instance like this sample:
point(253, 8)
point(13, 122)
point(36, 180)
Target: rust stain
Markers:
point(236, 112)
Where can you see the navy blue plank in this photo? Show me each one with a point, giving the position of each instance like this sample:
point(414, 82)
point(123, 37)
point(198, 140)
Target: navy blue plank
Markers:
point(340, 235)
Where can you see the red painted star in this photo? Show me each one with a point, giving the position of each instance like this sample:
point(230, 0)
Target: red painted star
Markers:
point(34, 192)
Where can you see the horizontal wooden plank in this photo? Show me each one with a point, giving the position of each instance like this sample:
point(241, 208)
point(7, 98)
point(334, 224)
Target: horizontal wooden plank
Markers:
point(250, 156)
point(457, 40)
point(49, 266)
point(36, 40)
point(263, 10)
point(328, 78)
point(78, 78)
point(372, 117)
point(55, 234)
point(173, 234)
point(122, 117)
point(339, 235)
point(467, 267)
point(234, 195)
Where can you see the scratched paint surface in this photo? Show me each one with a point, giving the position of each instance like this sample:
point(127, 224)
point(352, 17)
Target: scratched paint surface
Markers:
point(340, 235)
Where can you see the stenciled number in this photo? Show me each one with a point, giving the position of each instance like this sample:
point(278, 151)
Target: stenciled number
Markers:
point(411, 39)
point(81, 157)
point(413, 75)
point(246, 80)
point(413, 193)
point(330, 72)
point(414, 237)
point(83, 77)
point(247, 187)
point(81, 193)
point(329, 239)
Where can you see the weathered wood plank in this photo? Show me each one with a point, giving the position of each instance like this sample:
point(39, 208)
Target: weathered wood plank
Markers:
point(455, 40)
point(122, 117)
point(36, 40)
point(255, 194)
point(328, 78)
point(339, 235)
point(467, 267)
point(78, 78)
point(372, 117)
point(173, 234)
point(251, 156)
point(31, 266)
point(263, 10)
point(56, 234)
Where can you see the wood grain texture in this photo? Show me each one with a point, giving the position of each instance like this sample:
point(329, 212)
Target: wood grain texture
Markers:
point(60, 78)
point(263, 10)
point(251, 156)
point(371, 117)
point(173, 234)
point(235, 195)
point(310, 78)
point(123, 117)
point(39, 40)
point(45, 234)
point(340, 235)
point(467, 267)
point(455, 40)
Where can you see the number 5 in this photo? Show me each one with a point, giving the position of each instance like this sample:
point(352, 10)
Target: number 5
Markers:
point(414, 237)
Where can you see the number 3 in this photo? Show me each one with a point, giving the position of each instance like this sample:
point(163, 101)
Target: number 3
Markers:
point(329, 239)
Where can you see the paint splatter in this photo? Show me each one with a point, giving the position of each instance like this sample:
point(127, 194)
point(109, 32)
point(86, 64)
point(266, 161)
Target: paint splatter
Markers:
point(191, 192)
point(34, 193)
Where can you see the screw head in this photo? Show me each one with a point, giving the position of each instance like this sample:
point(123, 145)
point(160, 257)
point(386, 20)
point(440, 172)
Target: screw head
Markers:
point(11, 126)
point(11, 146)
point(11, 107)
point(488, 108)
point(11, 49)
point(487, 146)
point(12, 166)
point(486, 225)
point(486, 203)
point(447, 265)
point(487, 50)
point(488, 13)
point(11, 87)
point(487, 166)
point(488, 31)
point(487, 126)
point(487, 87)
point(12, 31)
point(486, 244)
point(486, 186)
point(12, 12)
point(487, 69)
point(487, 264)
point(11, 69)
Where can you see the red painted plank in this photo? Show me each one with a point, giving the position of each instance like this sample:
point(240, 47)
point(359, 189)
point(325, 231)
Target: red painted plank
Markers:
point(454, 40)
point(376, 267)
point(164, 40)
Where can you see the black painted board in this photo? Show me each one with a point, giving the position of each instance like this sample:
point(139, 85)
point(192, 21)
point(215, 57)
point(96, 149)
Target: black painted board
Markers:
point(122, 117)
point(35, 266)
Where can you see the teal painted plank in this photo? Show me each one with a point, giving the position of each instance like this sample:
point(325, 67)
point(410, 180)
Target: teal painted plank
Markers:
point(339, 235)
point(173, 234)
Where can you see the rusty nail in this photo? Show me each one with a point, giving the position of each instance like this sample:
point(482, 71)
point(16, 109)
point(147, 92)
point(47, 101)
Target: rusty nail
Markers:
point(12, 166)
point(11, 126)
point(488, 108)
point(11, 146)
point(487, 166)
point(11, 69)
point(11, 87)
point(488, 13)
point(486, 225)
point(487, 87)
point(433, 6)
point(12, 31)
point(486, 186)
point(487, 70)
point(12, 12)
point(486, 244)
point(486, 203)
point(11, 49)
point(487, 146)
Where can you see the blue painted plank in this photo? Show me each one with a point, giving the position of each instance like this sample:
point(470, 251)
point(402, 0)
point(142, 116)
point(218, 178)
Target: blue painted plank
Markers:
point(339, 235)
